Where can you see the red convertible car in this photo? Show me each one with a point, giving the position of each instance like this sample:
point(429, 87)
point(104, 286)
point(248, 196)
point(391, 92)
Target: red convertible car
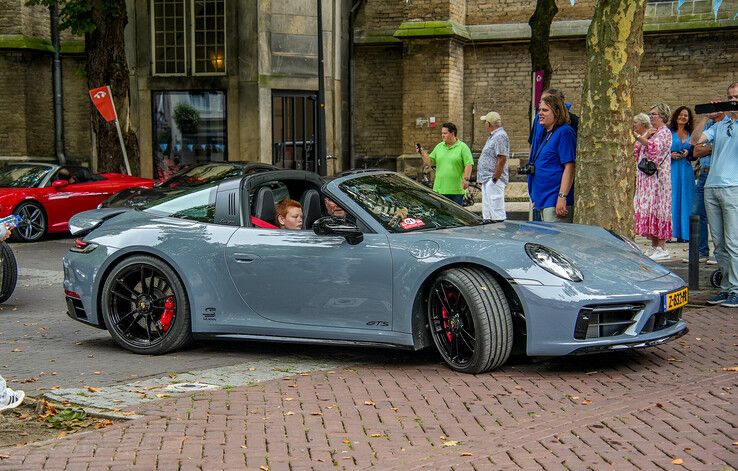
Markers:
point(44, 202)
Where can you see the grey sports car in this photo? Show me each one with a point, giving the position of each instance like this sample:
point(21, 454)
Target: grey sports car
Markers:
point(393, 265)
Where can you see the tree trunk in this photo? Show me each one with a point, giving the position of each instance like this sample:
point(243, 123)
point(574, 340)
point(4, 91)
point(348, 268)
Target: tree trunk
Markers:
point(107, 65)
point(540, 29)
point(605, 169)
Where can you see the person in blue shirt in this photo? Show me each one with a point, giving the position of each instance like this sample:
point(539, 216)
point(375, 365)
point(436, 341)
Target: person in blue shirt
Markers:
point(537, 132)
point(703, 153)
point(550, 185)
point(721, 199)
point(682, 173)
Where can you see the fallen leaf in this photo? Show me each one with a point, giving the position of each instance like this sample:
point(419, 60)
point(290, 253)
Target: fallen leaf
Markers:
point(574, 398)
point(519, 388)
point(673, 359)
point(97, 373)
point(91, 389)
point(289, 412)
point(304, 374)
point(316, 413)
point(466, 453)
point(586, 402)
point(252, 369)
point(4, 456)
point(659, 405)
point(677, 461)
point(697, 338)
point(16, 350)
point(369, 403)
point(732, 368)
point(289, 398)
point(395, 409)
point(103, 423)
point(61, 434)
point(451, 443)
point(346, 441)
point(735, 443)
point(376, 435)
point(160, 395)
point(264, 468)
point(243, 446)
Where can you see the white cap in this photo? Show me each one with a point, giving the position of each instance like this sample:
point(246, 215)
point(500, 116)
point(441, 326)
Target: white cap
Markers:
point(493, 117)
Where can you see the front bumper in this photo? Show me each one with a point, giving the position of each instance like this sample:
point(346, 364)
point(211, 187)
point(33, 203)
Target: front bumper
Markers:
point(553, 317)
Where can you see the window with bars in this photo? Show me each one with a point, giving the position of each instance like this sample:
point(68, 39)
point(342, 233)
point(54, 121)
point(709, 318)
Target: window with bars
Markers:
point(294, 114)
point(184, 29)
point(168, 27)
point(208, 26)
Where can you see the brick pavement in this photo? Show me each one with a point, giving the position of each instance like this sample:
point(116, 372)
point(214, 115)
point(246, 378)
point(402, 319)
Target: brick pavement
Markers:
point(630, 410)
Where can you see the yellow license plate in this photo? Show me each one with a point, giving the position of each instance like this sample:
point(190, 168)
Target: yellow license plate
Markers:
point(674, 300)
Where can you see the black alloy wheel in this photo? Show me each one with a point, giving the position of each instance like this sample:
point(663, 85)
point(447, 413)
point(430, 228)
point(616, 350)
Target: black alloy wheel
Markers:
point(470, 320)
point(32, 225)
point(8, 272)
point(145, 308)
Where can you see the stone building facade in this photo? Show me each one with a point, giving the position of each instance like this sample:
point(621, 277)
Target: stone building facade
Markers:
point(237, 79)
point(211, 80)
point(455, 60)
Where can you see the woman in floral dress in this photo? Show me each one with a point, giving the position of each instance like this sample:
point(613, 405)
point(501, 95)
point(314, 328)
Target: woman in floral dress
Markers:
point(653, 192)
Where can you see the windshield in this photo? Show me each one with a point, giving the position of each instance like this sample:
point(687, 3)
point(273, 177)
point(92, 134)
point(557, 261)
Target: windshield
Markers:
point(201, 175)
point(402, 205)
point(23, 176)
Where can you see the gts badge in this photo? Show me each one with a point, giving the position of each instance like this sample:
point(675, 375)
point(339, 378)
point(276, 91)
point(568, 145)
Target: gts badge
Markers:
point(378, 323)
point(209, 314)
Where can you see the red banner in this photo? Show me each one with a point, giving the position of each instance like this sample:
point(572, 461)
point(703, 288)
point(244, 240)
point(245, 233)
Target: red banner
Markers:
point(537, 87)
point(102, 98)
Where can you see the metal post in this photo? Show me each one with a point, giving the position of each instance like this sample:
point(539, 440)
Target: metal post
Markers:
point(57, 85)
point(321, 96)
point(122, 146)
point(694, 253)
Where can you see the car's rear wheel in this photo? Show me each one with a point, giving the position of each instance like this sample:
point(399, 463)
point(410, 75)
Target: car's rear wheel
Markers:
point(8, 272)
point(32, 225)
point(145, 307)
point(470, 320)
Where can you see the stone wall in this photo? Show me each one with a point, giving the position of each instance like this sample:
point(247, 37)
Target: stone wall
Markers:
point(520, 11)
point(677, 69)
point(378, 99)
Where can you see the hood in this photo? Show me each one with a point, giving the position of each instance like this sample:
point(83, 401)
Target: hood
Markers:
point(596, 252)
point(136, 197)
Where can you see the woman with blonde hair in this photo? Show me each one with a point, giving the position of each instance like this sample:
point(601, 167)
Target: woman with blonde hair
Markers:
point(652, 200)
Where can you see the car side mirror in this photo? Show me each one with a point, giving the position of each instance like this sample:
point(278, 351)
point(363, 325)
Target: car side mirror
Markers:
point(59, 184)
point(331, 225)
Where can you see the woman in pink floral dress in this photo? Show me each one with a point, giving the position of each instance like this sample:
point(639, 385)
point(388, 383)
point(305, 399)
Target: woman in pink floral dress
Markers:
point(653, 192)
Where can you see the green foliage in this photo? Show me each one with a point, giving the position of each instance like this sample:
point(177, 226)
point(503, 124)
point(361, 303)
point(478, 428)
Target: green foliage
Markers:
point(68, 419)
point(187, 118)
point(76, 15)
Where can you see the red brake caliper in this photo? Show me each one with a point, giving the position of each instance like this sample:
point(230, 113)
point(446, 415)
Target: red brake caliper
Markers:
point(444, 315)
point(168, 315)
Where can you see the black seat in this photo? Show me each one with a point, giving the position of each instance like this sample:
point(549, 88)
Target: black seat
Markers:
point(310, 201)
point(264, 205)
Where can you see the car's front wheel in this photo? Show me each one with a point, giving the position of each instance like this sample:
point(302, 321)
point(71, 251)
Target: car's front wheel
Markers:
point(32, 224)
point(470, 320)
point(145, 307)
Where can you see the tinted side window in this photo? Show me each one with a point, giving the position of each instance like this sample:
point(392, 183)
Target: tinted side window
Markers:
point(196, 206)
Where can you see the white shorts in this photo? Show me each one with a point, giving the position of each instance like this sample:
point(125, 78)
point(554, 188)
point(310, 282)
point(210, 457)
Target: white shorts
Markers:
point(493, 200)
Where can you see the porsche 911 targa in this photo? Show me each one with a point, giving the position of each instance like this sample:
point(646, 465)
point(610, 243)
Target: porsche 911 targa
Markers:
point(400, 266)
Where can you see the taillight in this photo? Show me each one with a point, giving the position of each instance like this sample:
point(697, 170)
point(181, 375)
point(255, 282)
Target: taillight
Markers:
point(82, 246)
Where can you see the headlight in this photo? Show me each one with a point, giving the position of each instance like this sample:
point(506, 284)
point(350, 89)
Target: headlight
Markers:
point(629, 242)
point(553, 262)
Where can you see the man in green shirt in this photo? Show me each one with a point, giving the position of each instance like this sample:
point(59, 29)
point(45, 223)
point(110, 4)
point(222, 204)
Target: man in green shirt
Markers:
point(453, 161)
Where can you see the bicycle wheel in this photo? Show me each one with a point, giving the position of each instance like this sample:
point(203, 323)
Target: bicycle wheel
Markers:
point(472, 194)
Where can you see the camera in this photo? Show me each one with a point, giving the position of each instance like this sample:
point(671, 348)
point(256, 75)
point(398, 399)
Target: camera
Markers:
point(704, 108)
point(527, 169)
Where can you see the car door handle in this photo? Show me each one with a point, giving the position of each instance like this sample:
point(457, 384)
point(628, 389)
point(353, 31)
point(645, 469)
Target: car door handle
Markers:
point(245, 257)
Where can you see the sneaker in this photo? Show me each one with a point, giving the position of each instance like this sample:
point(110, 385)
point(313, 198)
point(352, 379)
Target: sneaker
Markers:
point(702, 259)
point(732, 300)
point(711, 261)
point(14, 399)
point(719, 298)
point(659, 255)
point(649, 251)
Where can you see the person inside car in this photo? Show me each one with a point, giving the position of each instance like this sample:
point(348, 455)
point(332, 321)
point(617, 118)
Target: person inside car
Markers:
point(65, 174)
point(333, 208)
point(289, 214)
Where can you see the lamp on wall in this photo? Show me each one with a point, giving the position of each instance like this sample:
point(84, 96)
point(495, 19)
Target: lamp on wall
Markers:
point(217, 60)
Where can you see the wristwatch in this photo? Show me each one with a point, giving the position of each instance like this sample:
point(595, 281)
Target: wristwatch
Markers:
point(562, 195)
